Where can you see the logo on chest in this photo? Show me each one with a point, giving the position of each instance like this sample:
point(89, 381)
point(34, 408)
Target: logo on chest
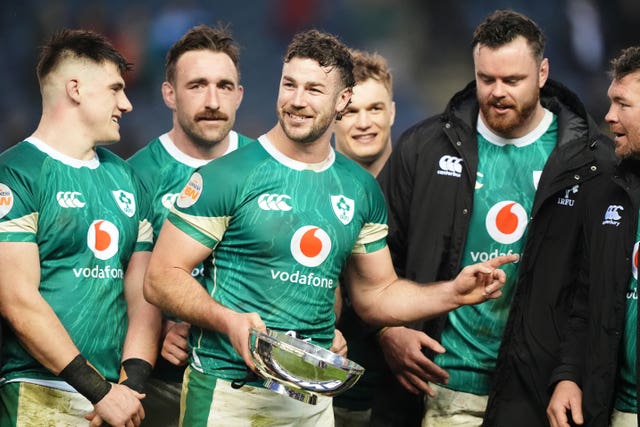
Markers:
point(506, 222)
point(102, 239)
point(274, 202)
point(126, 202)
point(612, 215)
point(450, 166)
point(343, 207)
point(568, 199)
point(310, 245)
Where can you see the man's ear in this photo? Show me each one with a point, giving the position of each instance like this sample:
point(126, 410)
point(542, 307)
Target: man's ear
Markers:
point(73, 90)
point(169, 95)
point(344, 99)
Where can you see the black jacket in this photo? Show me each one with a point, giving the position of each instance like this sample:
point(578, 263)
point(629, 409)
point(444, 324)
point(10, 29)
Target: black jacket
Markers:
point(430, 206)
point(591, 346)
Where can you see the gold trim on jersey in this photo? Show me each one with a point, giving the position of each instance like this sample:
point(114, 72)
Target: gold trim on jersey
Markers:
point(145, 231)
point(212, 227)
point(24, 224)
point(370, 233)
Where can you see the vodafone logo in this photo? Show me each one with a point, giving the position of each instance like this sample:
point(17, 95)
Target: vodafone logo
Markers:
point(310, 245)
point(102, 239)
point(506, 222)
point(634, 261)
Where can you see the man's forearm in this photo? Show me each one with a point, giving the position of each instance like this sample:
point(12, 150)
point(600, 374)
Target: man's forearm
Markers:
point(404, 301)
point(176, 292)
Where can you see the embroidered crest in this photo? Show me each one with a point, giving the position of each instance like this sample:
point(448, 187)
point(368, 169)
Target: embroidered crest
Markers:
point(343, 208)
point(126, 202)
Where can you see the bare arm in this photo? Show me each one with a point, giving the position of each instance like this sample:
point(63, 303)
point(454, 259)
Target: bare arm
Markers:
point(35, 323)
point(380, 297)
point(40, 331)
point(169, 285)
point(145, 320)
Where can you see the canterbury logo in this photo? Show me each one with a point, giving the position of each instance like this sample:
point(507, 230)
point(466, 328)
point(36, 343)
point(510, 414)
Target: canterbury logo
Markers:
point(274, 202)
point(70, 199)
point(450, 166)
point(611, 216)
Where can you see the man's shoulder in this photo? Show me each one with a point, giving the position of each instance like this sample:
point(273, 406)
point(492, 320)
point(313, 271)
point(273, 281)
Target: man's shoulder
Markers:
point(23, 154)
point(153, 152)
point(244, 140)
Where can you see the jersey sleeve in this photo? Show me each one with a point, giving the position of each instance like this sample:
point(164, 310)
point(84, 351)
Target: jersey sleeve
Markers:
point(144, 241)
point(203, 209)
point(372, 236)
point(18, 208)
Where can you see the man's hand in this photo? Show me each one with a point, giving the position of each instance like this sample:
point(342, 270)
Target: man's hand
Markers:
point(175, 348)
point(121, 407)
point(339, 344)
point(481, 282)
point(567, 397)
point(402, 348)
point(237, 328)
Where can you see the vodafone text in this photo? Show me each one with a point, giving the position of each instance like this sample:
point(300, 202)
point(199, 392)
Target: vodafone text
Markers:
point(486, 256)
point(303, 279)
point(97, 272)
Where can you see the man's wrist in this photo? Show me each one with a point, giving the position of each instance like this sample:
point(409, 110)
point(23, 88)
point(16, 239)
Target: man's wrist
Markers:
point(134, 373)
point(86, 379)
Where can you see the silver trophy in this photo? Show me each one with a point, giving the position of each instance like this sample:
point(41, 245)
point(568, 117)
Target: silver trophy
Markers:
point(299, 369)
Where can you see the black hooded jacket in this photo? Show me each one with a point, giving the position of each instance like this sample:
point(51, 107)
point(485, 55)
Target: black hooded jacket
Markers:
point(590, 350)
point(429, 185)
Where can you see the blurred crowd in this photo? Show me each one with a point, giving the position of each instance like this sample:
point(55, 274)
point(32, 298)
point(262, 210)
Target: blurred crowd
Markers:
point(426, 42)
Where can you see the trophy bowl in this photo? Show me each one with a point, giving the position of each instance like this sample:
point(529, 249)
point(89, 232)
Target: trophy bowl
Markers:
point(299, 369)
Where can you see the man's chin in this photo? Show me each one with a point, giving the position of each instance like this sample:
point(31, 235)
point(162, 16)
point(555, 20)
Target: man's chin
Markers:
point(109, 142)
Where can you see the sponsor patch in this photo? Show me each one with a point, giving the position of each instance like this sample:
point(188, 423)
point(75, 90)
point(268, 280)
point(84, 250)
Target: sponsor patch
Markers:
point(6, 200)
point(191, 192)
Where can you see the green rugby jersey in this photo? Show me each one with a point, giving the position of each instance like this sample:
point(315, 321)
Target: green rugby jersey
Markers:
point(507, 178)
point(281, 231)
point(164, 170)
point(626, 389)
point(87, 218)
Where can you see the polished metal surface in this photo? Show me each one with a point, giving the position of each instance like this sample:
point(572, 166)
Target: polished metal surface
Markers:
point(299, 369)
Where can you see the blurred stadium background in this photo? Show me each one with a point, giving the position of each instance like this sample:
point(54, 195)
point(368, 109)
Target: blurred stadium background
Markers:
point(426, 43)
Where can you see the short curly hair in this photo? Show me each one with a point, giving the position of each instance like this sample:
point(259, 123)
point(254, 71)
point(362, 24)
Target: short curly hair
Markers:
point(504, 26)
point(626, 63)
point(324, 48)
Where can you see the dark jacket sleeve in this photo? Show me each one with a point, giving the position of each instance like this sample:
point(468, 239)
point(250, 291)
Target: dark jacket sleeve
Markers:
point(573, 344)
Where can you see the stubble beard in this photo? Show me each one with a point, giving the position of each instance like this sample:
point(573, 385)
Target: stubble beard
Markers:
point(318, 128)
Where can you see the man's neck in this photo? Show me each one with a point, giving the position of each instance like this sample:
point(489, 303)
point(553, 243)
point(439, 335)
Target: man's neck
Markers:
point(66, 141)
point(188, 147)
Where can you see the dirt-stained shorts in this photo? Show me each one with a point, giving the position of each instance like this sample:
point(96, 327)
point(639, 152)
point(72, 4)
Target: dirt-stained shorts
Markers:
point(26, 404)
point(208, 401)
point(454, 408)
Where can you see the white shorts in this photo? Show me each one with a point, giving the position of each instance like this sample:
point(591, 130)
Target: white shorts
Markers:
point(623, 419)
point(208, 401)
point(26, 404)
point(454, 408)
